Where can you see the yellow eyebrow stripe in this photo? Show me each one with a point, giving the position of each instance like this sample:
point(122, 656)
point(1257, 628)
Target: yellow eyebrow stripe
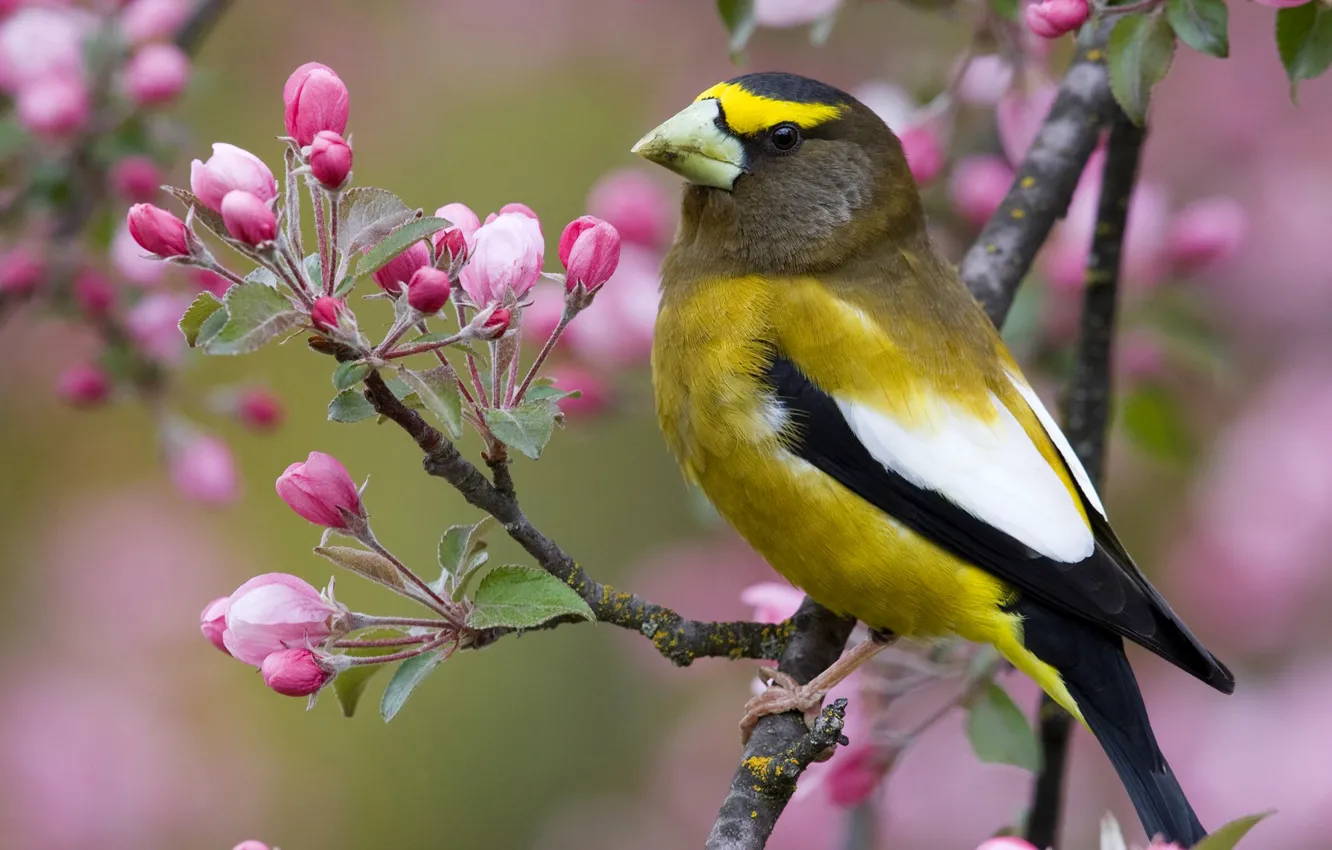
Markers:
point(747, 113)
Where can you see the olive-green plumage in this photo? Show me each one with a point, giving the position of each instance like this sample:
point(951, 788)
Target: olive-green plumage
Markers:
point(826, 379)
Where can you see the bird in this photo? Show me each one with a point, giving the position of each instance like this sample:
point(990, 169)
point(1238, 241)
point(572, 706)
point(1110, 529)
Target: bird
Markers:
point(823, 375)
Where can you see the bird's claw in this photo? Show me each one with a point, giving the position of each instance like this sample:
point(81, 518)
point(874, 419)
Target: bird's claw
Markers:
point(782, 695)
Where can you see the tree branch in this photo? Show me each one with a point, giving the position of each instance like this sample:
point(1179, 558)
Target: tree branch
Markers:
point(992, 269)
point(1086, 412)
point(200, 24)
point(678, 639)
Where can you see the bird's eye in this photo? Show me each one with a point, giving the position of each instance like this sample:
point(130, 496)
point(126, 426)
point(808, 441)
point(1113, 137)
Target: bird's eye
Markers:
point(784, 138)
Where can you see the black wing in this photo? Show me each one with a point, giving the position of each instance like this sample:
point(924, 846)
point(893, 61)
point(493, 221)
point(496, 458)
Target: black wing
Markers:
point(1106, 588)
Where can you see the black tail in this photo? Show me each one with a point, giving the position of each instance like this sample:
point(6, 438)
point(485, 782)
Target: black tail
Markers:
point(1097, 674)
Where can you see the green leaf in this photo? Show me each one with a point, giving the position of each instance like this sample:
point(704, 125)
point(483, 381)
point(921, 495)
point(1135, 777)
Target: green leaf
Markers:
point(315, 271)
point(350, 406)
point(522, 598)
point(1201, 24)
point(438, 391)
point(263, 275)
point(738, 17)
point(461, 553)
point(409, 674)
point(1006, 9)
point(999, 732)
point(549, 393)
point(526, 427)
point(349, 374)
point(1141, 47)
point(256, 315)
point(205, 305)
point(397, 242)
point(369, 215)
point(202, 214)
point(350, 683)
point(210, 327)
point(398, 387)
point(347, 284)
point(1226, 837)
point(1304, 40)
point(1153, 419)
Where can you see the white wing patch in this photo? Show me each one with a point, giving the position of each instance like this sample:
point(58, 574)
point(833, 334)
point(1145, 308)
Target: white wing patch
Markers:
point(1061, 442)
point(991, 470)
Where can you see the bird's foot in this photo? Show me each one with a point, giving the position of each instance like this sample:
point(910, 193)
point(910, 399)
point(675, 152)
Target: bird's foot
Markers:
point(782, 695)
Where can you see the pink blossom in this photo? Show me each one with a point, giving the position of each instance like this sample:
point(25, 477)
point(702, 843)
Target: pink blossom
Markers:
point(924, 152)
point(57, 105)
point(330, 159)
point(251, 845)
point(321, 491)
point(978, 186)
point(986, 79)
point(152, 325)
point(594, 395)
point(315, 99)
point(428, 290)
point(772, 601)
point(617, 328)
point(230, 168)
point(590, 251)
point(1019, 116)
point(1053, 18)
point(1005, 843)
point(273, 612)
point(157, 231)
point(22, 270)
point(135, 178)
point(515, 207)
point(397, 271)
point(636, 204)
point(792, 13)
point(1206, 232)
point(84, 385)
point(202, 469)
point(294, 672)
point(93, 292)
point(326, 312)
point(461, 219)
point(506, 259)
point(152, 20)
point(156, 74)
point(854, 774)
point(213, 621)
point(130, 262)
point(259, 409)
point(248, 218)
point(496, 324)
point(39, 43)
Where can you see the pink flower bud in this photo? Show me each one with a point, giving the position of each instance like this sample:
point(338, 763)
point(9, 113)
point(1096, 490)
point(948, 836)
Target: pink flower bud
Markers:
point(635, 204)
point(130, 261)
point(1053, 18)
point(924, 153)
point(495, 324)
point(273, 612)
point(143, 21)
point(93, 292)
point(22, 270)
point(248, 218)
point(228, 169)
point(251, 845)
point(506, 259)
point(203, 470)
point(157, 231)
point(211, 281)
point(986, 78)
point(135, 178)
point(853, 775)
point(294, 672)
point(428, 290)
point(515, 207)
point(590, 251)
point(400, 269)
point(772, 601)
point(330, 159)
point(595, 395)
point(259, 409)
point(1206, 232)
point(321, 491)
point(84, 385)
point(156, 74)
point(316, 99)
point(463, 225)
point(1005, 842)
point(978, 186)
point(324, 314)
point(213, 621)
point(54, 106)
point(38, 42)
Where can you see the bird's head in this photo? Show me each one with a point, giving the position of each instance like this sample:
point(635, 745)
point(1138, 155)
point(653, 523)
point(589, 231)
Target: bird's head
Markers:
point(790, 172)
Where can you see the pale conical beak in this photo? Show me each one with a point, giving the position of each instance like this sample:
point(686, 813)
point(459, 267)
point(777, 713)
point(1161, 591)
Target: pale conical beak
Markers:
point(693, 145)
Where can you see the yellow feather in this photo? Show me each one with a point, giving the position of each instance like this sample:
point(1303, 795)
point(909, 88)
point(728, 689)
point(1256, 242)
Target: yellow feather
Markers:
point(747, 113)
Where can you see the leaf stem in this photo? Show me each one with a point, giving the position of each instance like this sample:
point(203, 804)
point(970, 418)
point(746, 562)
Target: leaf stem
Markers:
point(554, 337)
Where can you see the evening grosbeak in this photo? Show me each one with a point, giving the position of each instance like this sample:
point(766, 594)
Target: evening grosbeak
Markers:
point(824, 376)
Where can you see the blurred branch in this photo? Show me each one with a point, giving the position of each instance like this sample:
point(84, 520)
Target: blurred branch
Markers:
point(1086, 412)
point(992, 269)
point(200, 24)
point(678, 639)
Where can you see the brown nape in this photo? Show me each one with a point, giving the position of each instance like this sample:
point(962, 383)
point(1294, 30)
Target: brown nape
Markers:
point(845, 192)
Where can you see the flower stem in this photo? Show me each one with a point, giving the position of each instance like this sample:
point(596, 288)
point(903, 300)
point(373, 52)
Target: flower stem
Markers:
point(471, 363)
point(449, 609)
point(420, 348)
point(334, 256)
point(365, 621)
point(325, 259)
point(367, 660)
point(408, 640)
point(218, 268)
point(541, 357)
point(496, 389)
